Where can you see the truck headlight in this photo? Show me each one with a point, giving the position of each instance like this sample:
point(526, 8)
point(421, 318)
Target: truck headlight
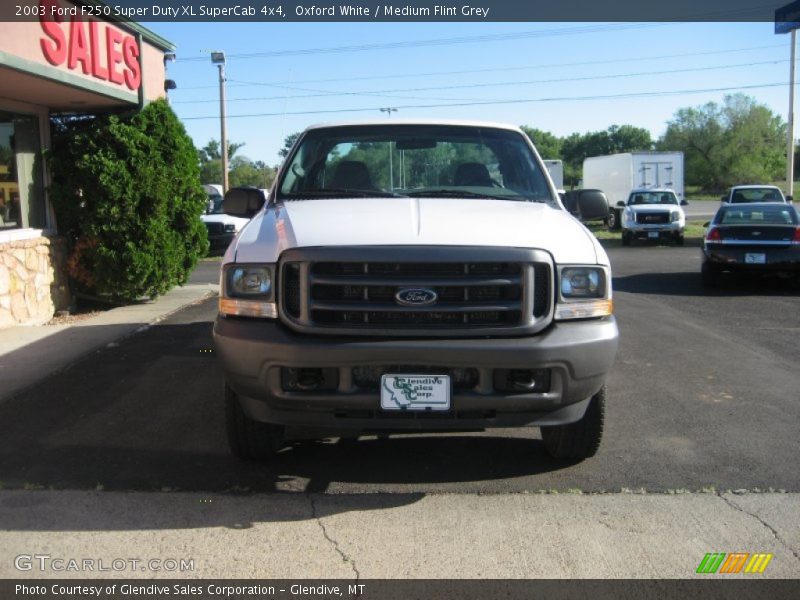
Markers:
point(230, 228)
point(674, 216)
point(584, 292)
point(248, 291)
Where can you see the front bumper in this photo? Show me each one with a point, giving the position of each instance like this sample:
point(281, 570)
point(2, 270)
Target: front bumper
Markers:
point(662, 229)
point(578, 355)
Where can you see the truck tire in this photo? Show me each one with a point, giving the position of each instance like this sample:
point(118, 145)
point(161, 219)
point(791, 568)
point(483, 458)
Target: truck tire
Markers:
point(679, 239)
point(581, 439)
point(626, 238)
point(249, 439)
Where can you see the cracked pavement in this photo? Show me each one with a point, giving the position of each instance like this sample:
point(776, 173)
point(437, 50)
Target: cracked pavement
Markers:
point(370, 536)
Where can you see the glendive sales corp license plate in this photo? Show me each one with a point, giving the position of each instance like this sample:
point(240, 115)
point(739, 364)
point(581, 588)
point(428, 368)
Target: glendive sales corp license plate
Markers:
point(415, 392)
point(652, 234)
point(755, 258)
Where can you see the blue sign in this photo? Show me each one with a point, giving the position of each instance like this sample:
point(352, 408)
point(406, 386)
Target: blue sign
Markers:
point(787, 18)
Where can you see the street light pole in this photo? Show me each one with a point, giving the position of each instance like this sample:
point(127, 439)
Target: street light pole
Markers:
point(790, 124)
point(218, 58)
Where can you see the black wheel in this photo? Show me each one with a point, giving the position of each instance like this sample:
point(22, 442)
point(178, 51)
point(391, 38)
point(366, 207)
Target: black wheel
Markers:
point(679, 239)
point(626, 238)
point(709, 275)
point(581, 439)
point(249, 439)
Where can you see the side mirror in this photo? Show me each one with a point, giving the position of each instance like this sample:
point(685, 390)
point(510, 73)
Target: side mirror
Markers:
point(707, 223)
point(621, 204)
point(243, 202)
point(684, 203)
point(723, 199)
point(789, 198)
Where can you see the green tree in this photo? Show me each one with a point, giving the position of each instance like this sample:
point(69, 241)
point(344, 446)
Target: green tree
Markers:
point(126, 191)
point(617, 138)
point(548, 144)
point(245, 172)
point(738, 141)
point(211, 151)
point(288, 142)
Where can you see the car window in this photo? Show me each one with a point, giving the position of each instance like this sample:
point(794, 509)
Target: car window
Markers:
point(214, 205)
point(759, 216)
point(638, 198)
point(756, 195)
point(414, 160)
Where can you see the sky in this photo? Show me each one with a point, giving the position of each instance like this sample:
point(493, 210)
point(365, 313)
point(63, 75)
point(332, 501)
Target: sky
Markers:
point(551, 76)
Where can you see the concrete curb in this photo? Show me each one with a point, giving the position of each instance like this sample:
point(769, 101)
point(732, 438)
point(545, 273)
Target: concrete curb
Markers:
point(29, 354)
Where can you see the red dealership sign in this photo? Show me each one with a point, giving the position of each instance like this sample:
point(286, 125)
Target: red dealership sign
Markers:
point(94, 48)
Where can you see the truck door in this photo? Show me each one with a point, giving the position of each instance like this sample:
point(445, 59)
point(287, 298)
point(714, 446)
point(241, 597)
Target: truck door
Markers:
point(656, 174)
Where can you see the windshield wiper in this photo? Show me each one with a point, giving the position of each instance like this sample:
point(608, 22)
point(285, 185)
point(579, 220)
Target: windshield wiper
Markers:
point(339, 193)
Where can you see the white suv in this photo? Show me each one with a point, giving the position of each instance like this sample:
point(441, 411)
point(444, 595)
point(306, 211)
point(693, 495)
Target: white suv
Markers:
point(413, 276)
point(653, 214)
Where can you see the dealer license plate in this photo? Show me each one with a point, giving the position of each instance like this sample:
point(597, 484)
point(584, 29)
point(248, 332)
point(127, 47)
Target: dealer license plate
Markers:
point(752, 258)
point(415, 392)
point(652, 234)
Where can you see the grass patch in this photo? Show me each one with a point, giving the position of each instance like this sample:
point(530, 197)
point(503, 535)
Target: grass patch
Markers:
point(693, 234)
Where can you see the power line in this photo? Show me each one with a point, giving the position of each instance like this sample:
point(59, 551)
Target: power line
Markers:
point(514, 101)
point(387, 93)
point(496, 37)
point(282, 84)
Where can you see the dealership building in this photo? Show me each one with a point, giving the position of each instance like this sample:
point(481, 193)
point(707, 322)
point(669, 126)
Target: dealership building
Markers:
point(57, 66)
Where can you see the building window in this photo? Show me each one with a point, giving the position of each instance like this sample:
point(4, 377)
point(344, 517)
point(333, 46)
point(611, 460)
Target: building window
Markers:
point(21, 190)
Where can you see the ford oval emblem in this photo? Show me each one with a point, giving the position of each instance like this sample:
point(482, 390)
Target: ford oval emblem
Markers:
point(415, 297)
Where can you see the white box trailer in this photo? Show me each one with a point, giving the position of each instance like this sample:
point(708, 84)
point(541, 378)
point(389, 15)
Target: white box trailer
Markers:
point(556, 170)
point(618, 174)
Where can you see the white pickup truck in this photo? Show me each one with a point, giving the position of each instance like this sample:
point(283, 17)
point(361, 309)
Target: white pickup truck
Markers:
point(413, 276)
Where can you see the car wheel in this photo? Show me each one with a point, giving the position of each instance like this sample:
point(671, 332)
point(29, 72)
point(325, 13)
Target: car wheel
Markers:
point(709, 275)
point(626, 238)
point(581, 439)
point(249, 439)
point(679, 239)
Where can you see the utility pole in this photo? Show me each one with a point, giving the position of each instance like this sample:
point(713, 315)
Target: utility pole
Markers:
point(787, 20)
point(389, 112)
point(790, 124)
point(218, 58)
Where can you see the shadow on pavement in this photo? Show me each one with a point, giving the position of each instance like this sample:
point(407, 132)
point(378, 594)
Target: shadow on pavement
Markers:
point(689, 284)
point(147, 416)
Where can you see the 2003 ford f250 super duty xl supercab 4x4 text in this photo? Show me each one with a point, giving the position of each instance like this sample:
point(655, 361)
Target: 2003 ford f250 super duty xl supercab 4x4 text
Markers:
point(413, 276)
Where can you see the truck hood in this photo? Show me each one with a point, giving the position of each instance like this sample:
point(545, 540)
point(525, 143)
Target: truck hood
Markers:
point(415, 221)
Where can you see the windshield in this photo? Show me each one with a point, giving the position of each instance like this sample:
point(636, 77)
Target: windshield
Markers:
point(765, 194)
point(414, 160)
point(652, 198)
point(214, 205)
point(759, 215)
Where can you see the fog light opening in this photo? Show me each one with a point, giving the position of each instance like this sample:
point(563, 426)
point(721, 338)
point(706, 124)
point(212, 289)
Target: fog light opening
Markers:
point(522, 379)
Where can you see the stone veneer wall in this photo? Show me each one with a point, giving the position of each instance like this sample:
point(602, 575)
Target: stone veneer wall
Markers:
point(33, 281)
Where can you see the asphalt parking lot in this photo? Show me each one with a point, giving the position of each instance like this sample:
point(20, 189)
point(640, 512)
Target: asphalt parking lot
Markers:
point(705, 394)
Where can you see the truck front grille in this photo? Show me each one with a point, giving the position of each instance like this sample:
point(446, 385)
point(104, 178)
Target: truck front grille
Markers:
point(475, 293)
point(652, 218)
